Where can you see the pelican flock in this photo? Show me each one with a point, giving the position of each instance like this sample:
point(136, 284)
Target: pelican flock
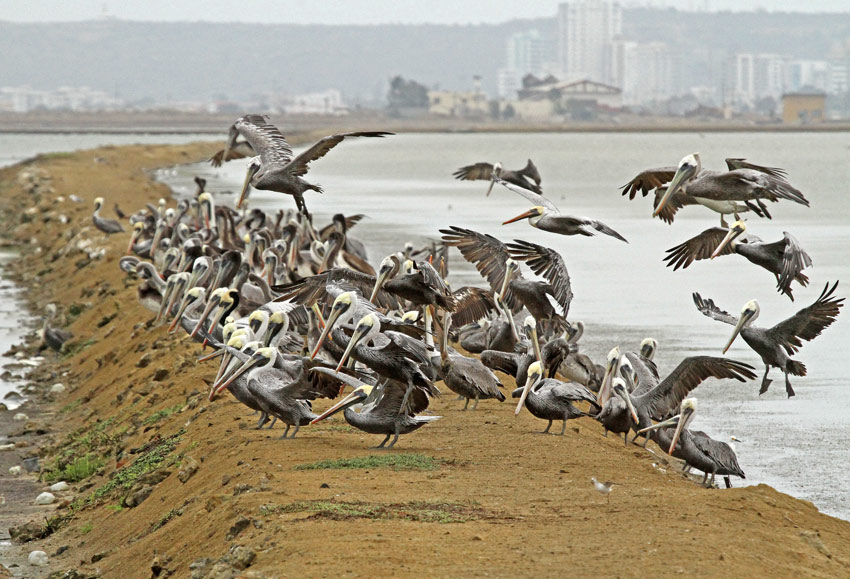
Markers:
point(294, 311)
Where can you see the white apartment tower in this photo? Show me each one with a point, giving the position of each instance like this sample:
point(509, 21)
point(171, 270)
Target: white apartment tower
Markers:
point(586, 31)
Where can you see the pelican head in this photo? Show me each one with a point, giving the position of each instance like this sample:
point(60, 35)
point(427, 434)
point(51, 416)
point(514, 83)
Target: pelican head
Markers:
point(529, 324)
point(574, 332)
point(689, 168)
point(610, 367)
point(535, 372)
point(253, 169)
point(343, 304)
point(410, 317)
point(497, 174)
point(192, 296)
point(358, 396)
point(627, 372)
point(619, 389)
point(389, 265)
point(648, 347)
point(408, 250)
point(138, 227)
point(98, 203)
point(686, 414)
point(257, 319)
point(261, 354)
point(738, 228)
point(205, 201)
point(749, 313)
point(536, 211)
point(368, 324)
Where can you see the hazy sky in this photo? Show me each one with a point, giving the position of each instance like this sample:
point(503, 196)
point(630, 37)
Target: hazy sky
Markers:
point(354, 11)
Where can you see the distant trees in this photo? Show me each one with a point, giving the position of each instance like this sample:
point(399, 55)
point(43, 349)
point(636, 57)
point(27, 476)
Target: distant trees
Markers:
point(405, 93)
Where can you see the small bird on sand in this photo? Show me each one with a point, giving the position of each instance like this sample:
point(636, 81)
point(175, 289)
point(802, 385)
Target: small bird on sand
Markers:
point(603, 487)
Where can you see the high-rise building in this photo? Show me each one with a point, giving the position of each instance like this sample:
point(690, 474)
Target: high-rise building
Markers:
point(586, 32)
point(644, 71)
point(528, 52)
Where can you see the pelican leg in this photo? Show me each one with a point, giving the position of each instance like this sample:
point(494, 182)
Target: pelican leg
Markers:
point(564, 427)
point(395, 439)
point(728, 482)
point(765, 383)
point(465, 405)
point(274, 420)
point(548, 426)
point(285, 432)
point(403, 408)
point(383, 442)
point(626, 438)
point(474, 406)
point(788, 389)
point(723, 223)
point(294, 432)
point(704, 478)
point(263, 419)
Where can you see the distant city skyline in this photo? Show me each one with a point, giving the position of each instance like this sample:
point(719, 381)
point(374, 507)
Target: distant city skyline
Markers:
point(357, 12)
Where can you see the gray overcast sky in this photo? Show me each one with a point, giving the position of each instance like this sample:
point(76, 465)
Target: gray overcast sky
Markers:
point(353, 11)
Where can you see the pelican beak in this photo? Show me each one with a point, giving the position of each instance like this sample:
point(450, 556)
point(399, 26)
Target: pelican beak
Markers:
point(526, 215)
point(187, 299)
point(252, 170)
point(605, 388)
point(682, 174)
point(490, 188)
point(382, 277)
point(211, 355)
point(133, 238)
point(318, 311)
point(163, 304)
point(253, 361)
point(665, 424)
point(335, 314)
point(530, 382)
point(356, 397)
point(355, 337)
point(742, 321)
point(732, 234)
point(631, 406)
point(214, 301)
point(683, 418)
point(535, 343)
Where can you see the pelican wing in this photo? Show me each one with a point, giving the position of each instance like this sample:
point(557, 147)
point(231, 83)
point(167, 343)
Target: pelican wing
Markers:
point(317, 288)
point(708, 308)
point(646, 181)
point(734, 164)
point(746, 184)
point(390, 402)
point(300, 164)
point(794, 260)
point(266, 139)
point(535, 198)
point(665, 398)
point(240, 150)
point(486, 253)
point(720, 452)
point(808, 323)
point(697, 248)
point(547, 263)
point(506, 362)
point(476, 172)
point(674, 203)
point(350, 221)
point(473, 303)
point(571, 391)
point(530, 171)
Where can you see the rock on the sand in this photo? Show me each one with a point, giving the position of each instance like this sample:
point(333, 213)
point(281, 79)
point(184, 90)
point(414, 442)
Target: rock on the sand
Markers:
point(60, 486)
point(15, 470)
point(20, 417)
point(38, 558)
point(45, 499)
point(57, 388)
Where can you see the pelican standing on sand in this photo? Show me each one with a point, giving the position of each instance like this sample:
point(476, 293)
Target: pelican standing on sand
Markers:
point(551, 399)
point(775, 345)
point(275, 169)
point(108, 226)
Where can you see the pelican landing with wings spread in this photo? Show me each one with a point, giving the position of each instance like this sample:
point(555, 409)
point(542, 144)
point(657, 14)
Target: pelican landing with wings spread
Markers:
point(274, 168)
point(528, 177)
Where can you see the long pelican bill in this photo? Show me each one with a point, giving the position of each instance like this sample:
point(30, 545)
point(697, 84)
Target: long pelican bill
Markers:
point(663, 424)
point(683, 173)
point(490, 188)
point(620, 390)
point(187, 299)
point(742, 321)
point(526, 215)
point(683, 419)
point(224, 383)
point(379, 281)
point(133, 237)
point(328, 325)
point(252, 170)
point(732, 234)
point(610, 368)
point(534, 375)
point(355, 397)
point(355, 337)
point(214, 301)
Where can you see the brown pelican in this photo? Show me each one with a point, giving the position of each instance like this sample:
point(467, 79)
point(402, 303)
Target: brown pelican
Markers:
point(551, 399)
point(527, 177)
point(50, 336)
point(546, 216)
point(785, 258)
point(381, 409)
point(696, 448)
point(275, 169)
point(775, 345)
point(467, 377)
point(744, 187)
point(237, 149)
point(108, 226)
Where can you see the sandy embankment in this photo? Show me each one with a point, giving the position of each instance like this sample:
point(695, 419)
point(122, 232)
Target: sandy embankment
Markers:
point(497, 498)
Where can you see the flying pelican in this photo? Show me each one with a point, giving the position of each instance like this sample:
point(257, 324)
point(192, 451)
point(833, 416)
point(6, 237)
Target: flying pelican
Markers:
point(743, 187)
point(696, 448)
point(274, 169)
point(528, 177)
point(775, 345)
point(546, 216)
point(551, 399)
point(108, 226)
point(381, 410)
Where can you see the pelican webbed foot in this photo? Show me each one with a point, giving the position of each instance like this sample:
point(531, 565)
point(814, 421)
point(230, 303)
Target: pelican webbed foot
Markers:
point(548, 426)
point(788, 389)
point(765, 382)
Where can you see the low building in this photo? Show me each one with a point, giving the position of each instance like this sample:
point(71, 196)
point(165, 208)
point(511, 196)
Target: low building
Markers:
point(458, 104)
point(806, 106)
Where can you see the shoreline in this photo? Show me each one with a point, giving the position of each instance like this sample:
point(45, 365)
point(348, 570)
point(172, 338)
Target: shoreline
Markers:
point(501, 499)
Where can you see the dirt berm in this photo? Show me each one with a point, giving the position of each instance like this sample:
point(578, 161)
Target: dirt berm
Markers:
point(171, 484)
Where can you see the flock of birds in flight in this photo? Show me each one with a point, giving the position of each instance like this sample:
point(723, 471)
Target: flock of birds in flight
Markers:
point(295, 312)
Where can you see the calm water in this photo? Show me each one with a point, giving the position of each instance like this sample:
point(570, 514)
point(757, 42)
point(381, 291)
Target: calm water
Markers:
point(623, 293)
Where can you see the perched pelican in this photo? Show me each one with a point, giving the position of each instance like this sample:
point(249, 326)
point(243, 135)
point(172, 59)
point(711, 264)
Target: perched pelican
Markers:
point(108, 226)
point(528, 177)
point(743, 187)
point(696, 448)
point(380, 408)
point(775, 345)
point(546, 216)
point(274, 169)
point(468, 377)
point(50, 336)
point(785, 258)
point(551, 399)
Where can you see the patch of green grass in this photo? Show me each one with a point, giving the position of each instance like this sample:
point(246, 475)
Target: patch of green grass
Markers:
point(71, 406)
point(78, 469)
point(57, 155)
point(165, 518)
point(160, 414)
point(125, 478)
point(116, 508)
point(73, 348)
point(407, 461)
point(85, 529)
point(418, 511)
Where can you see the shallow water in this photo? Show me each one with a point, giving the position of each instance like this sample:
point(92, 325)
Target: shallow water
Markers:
point(12, 330)
point(623, 293)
